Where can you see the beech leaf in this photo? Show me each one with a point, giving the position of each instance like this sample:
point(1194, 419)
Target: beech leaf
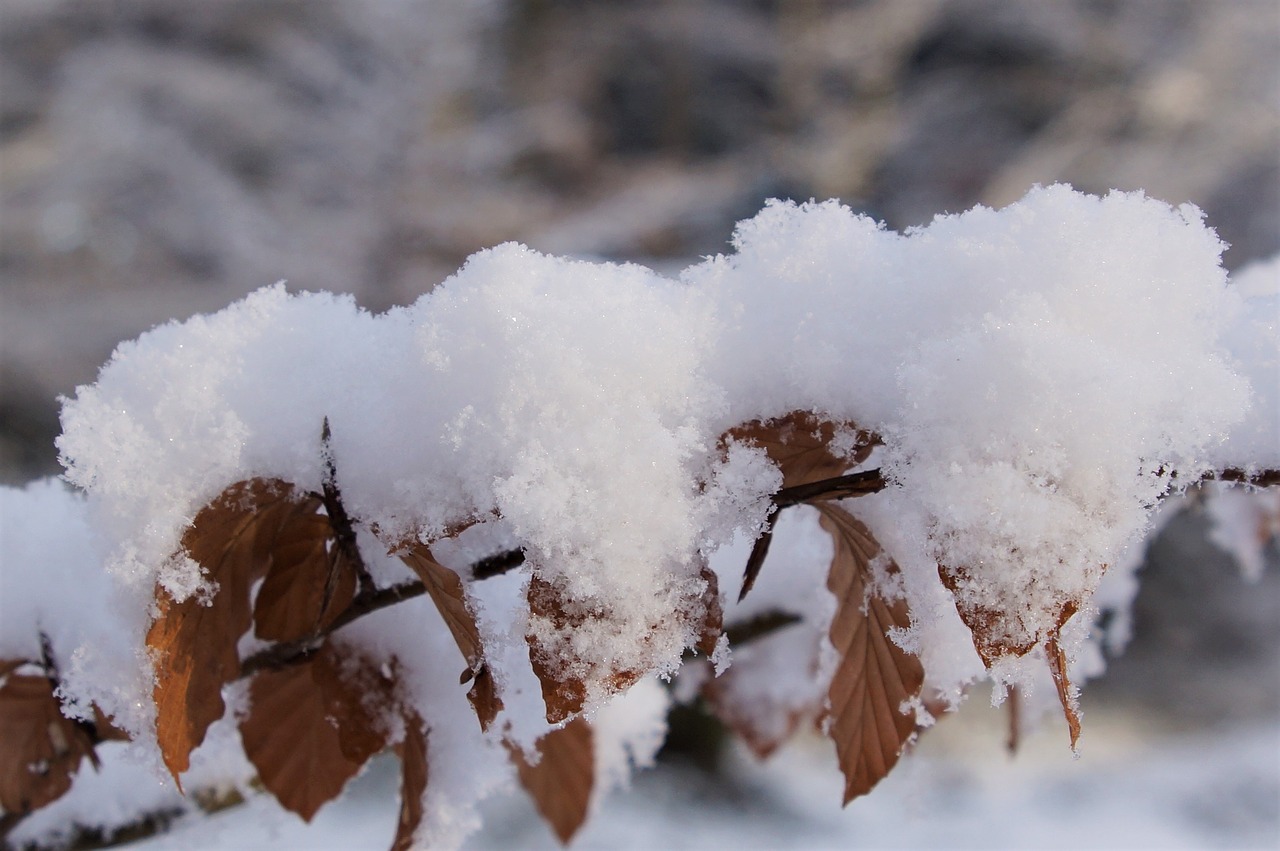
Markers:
point(193, 643)
point(310, 729)
point(562, 779)
point(874, 677)
point(565, 693)
point(800, 444)
point(713, 613)
point(40, 748)
point(413, 780)
point(446, 591)
point(309, 581)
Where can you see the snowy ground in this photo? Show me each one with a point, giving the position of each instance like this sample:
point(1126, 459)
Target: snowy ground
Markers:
point(1135, 786)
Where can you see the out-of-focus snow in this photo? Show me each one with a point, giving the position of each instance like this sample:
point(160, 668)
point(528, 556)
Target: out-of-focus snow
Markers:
point(1137, 786)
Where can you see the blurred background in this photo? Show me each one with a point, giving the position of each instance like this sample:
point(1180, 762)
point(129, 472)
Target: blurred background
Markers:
point(160, 158)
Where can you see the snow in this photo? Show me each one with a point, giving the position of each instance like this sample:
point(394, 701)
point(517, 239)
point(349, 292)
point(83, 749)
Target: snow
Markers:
point(1042, 376)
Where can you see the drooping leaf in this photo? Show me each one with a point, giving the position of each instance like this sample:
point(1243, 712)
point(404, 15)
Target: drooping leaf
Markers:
point(562, 779)
point(563, 691)
point(874, 678)
point(309, 581)
point(193, 642)
point(312, 725)
point(801, 444)
point(1058, 669)
point(40, 748)
point(746, 697)
point(446, 591)
point(713, 613)
point(996, 634)
point(413, 780)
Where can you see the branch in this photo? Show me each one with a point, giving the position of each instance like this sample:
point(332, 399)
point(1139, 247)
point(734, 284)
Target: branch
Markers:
point(840, 487)
point(1258, 478)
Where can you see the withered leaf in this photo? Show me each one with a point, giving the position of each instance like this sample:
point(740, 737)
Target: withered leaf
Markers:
point(874, 677)
point(713, 613)
point(564, 693)
point(413, 780)
point(800, 444)
point(40, 748)
point(562, 780)
point(193, 643)
point(446, 591)
point(745, 697)
point(1058, 669)
point(992, 637)
point(312, 725)
point(310, 580)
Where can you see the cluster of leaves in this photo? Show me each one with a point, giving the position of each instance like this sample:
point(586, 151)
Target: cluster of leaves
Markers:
point(284, 564)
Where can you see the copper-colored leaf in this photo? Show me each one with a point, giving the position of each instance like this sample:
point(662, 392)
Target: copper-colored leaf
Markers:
point(994, 636)
point(40, 748)
point(1058, 669)
point(309, 581)
point(446, 591)
point(713, 613)
point(310, 728)
point(564, 693)
point(413, 780)
point(193, 643)
point(874, 677)
point(800, 444)
point(746, 699)
point(561, 781)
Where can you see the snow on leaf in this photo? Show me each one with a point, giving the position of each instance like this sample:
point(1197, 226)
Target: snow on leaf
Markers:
point(801, 444)
point(997, 633)
point(310, 580)
point(713, 617)
point(413, 780)
point(562, 779)
point(446, 591)
point(310, 728)
point(561, 672)
point(874, 678)
point(40, 748)
point(193, 642)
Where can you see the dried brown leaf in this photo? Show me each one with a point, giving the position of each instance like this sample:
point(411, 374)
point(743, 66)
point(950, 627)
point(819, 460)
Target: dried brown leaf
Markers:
point(874, 677)
point(745, 701)
point(309, 581)
point(800, 444)
point(193, 643)
point(992, 636)
point(562, 779)
point(312, 725)
point(1058, 669)
point(564, 693)
point(713, 613)
point(446, 591)
point(413, 780)
point(40, 748)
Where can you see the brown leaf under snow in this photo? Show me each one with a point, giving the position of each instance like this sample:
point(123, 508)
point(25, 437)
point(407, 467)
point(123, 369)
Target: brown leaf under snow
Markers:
point(312, 725)
point(565, 694)
point(413, 780)
point(874, 677)
point(40, 748)
point(309, 582)
point(992, 632)
point(193, 643)
point(713, 613)
point(800, 444)
point(562, 780)
point(446, 591)
point(745, 701)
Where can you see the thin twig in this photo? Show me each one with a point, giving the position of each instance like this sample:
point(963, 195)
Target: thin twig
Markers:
point(343, 532)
